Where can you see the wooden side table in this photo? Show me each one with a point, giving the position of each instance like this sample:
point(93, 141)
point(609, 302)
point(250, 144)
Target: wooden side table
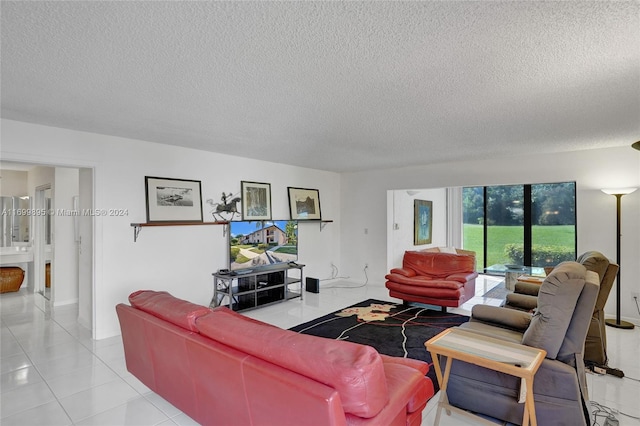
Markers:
point(510, 358)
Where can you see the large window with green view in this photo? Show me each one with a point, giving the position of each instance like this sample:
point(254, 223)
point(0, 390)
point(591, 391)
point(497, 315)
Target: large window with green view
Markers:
point(531, 225)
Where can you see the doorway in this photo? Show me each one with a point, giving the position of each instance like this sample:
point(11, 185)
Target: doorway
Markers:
point(65, 239)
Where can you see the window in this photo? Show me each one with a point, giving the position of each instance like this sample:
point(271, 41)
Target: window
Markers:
point(533, 225)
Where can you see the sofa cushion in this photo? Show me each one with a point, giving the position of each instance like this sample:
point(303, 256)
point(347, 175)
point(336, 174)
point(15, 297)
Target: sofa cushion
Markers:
point(594, 261)
point(557, 299)
point(404, 272)
point(355, 371)
point(495, 315)
point(439, 265)
point(164, 306)
point(450, 250)
point(424, 281)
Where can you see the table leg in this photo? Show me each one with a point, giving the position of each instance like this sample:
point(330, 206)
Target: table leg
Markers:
point(443, 381)
point(436, 365)
point(529, 405)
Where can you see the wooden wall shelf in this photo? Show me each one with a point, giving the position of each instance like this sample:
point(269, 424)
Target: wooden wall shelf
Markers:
point(138, 226)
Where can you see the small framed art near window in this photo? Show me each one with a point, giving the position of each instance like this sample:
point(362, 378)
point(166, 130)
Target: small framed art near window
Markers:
point(304, 204)
point(422, 218)
point(173, 200)
point(256, 200)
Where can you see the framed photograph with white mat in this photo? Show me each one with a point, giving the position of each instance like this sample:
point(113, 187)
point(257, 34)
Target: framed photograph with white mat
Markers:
point(304, 204)
point(256, 200)
point(173, 200)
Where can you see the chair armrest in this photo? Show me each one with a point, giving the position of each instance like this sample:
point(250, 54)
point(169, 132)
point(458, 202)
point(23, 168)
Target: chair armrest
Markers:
point(527, 288)
point(522, 301)
point(502, 317)
point(404, 271)
point(462, 277)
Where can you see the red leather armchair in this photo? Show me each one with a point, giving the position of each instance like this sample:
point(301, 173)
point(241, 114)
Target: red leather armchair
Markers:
point(434, 278)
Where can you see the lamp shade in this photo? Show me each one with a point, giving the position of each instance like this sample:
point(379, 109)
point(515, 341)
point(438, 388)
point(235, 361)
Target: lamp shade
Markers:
point(618, 191)
point(636, 145)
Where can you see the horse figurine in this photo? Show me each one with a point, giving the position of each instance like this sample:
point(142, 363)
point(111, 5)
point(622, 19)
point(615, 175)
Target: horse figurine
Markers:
point(227, 206)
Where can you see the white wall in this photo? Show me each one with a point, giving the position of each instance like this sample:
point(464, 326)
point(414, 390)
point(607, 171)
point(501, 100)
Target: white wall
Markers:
point(364, 198)
point(177, 259)
point(85, 250)
point(65, 251)
point(13, 183)
point(401, 233)
point(64, 265)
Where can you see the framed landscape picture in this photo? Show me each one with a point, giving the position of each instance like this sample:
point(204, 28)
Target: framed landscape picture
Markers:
point(422, 226)
point(304, 204)
point(256, 200)
point(173, 200)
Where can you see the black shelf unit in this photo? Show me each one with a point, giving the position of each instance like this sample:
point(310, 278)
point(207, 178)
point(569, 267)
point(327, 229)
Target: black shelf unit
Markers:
point(257, 288)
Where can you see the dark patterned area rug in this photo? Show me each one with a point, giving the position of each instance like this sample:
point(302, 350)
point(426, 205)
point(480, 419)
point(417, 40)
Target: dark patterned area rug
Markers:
point(392, 329)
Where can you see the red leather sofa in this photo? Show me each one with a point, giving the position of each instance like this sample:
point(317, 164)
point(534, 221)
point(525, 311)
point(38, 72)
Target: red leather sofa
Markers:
point(435, 278)
point(222, 368)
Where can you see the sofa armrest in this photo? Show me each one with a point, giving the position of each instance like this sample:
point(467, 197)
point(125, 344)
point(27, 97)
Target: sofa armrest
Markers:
point(462, 277)
point(421, 366)
point(501, 317)
point(527, 288)
point(409, 273)
point(522, 301)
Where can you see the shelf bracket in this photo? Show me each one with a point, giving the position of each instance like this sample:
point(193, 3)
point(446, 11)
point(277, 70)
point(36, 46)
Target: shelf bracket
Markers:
point(136, 231)
point(323, 223)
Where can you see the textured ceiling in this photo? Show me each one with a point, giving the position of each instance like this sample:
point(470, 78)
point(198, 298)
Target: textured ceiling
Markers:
point(340, 86)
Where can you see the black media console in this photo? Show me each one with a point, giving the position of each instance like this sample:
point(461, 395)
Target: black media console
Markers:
point(258, 287)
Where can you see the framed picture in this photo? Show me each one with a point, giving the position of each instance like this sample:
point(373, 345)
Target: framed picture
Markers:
point(173, 200)
point(304, 204)
point(256, 200)
point(422, 218)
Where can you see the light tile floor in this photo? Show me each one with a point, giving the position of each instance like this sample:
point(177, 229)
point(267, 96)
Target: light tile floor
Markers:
point(53, 373)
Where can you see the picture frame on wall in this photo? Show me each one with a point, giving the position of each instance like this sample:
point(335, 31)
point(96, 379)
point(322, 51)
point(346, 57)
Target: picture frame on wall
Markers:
point(173, 200)
point(304, 204)
point(422, 222)
point(256, 200)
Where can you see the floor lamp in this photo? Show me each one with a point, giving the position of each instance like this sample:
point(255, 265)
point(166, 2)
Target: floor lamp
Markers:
point(618, 323)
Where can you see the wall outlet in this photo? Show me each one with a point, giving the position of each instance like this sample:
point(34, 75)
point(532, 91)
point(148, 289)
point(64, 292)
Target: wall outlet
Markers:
point(366, 265)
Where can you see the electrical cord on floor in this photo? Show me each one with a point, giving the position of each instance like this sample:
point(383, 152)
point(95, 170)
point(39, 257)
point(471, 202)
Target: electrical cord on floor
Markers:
point(349, 286)
point(608, 414)
point(601, 411)
point(334, 274)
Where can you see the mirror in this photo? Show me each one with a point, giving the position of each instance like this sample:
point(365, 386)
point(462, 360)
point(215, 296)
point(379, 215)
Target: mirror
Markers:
point(15, 220)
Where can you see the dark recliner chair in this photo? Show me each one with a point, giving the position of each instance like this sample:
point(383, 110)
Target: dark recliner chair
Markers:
point(559, 326)
point(525, 297)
